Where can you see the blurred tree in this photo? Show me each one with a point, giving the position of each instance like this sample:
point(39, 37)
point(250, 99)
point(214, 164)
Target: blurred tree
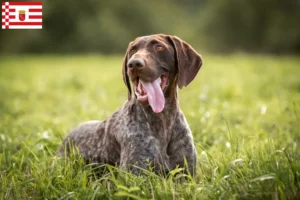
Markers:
point(107, 26)
point(256, 25)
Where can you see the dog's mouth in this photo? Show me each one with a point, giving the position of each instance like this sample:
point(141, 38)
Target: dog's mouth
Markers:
point(151, 92)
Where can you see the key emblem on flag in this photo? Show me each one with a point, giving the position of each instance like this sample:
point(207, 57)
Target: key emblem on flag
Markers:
point(22, 15)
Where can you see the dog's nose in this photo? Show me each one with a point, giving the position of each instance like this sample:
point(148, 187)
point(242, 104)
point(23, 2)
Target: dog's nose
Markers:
point(135, 63)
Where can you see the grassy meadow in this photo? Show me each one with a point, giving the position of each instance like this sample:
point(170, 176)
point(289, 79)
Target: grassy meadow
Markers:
point(244, 112)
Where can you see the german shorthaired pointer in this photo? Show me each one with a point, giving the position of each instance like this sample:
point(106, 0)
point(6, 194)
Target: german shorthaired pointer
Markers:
point(149, 130)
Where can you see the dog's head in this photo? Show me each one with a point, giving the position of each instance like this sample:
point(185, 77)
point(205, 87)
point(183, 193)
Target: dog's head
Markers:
point(155, 65)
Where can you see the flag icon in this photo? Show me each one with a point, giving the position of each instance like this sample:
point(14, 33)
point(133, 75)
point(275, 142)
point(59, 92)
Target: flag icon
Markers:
point(22, 15)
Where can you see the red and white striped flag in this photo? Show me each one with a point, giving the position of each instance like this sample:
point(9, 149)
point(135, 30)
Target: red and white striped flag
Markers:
point(22, 15)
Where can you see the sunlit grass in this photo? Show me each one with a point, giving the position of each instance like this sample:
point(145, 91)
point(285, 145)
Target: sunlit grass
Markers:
point(244, 112)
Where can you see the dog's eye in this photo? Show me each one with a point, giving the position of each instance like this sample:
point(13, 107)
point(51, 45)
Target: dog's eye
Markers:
point(159, 47)
point(132, 51)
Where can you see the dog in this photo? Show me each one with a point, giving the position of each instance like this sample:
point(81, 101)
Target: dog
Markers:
point(149, 131)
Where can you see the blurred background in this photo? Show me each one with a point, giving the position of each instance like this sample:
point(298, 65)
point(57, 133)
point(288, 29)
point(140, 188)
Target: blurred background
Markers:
point(98, 26)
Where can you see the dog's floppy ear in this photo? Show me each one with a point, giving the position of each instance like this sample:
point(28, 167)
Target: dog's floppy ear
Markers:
point(125, 76)
point(188, 61)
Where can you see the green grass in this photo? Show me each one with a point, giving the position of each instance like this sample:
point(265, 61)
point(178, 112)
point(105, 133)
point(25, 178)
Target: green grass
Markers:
point(244, 112)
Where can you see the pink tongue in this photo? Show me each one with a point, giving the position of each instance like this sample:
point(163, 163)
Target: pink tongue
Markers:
point(155, 95)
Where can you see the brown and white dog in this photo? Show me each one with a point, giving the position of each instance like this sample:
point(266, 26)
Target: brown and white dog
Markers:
point(150, 127)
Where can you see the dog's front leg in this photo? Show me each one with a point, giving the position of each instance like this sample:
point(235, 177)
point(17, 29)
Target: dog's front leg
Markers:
point(139, 152)
point(181, 149)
